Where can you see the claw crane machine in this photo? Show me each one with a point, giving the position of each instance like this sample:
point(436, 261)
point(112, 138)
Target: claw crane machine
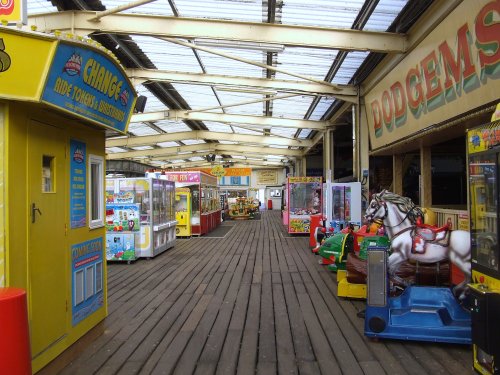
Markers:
point(304, 200)
point(183, 211)
point(483, 146)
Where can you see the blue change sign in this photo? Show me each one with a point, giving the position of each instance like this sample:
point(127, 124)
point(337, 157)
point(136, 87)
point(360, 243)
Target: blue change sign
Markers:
point(90, 85)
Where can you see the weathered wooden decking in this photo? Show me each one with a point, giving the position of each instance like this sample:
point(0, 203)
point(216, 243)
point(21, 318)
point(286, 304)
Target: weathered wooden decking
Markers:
point(255, 301)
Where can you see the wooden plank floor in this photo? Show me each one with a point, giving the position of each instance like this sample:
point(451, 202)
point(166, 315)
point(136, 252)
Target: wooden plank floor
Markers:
point(253, 302)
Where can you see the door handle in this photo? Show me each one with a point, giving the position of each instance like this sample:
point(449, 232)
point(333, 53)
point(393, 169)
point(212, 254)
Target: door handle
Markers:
point(34, 209)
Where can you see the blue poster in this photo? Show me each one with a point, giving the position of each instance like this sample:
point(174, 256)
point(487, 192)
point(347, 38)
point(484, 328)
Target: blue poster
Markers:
point(87, 279)
point(90, 85)
point(78, 184)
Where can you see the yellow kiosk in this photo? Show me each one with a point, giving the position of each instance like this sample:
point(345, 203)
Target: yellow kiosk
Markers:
point(57, 97)
point(183, 211)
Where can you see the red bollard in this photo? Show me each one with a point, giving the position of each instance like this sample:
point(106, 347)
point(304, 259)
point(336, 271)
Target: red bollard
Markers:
point(15, 354)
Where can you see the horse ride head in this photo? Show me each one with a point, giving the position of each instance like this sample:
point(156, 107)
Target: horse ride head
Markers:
point(377, 209)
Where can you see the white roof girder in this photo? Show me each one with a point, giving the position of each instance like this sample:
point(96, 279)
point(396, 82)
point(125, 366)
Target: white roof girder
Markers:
point(186, 156)
point(79, 22)
point(261, 121)
point(212, 147)
point(206, 135)
point(139, 76)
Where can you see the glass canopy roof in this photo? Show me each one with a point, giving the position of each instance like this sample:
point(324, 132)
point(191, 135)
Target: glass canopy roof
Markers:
point(230, 108)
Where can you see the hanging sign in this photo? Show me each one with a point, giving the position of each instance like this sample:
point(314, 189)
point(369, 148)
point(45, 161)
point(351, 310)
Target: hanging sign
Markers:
point(14, 11)
point(267, 177)
point(90, 85)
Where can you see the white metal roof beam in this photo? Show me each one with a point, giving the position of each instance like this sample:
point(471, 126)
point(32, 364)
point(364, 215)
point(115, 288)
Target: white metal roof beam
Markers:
point(260, 121)
point(139, 76)
point(237, 163)
point(256, 154)
point(190, 28)
point(213, 147)
point(206, 135)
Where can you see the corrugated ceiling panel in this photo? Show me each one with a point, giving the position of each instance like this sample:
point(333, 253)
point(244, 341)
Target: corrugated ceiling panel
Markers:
point(385, 13)
point(193, 141)
point(242, 10)
point(155, 7)
point(227, 97)
point(139, 128)
point(218, 127)
point(321, 108)
point(168, 144)
point(152, 103)
point(39, 6)
point(168, 56)
point(349, 67)
point(215, 64)
point(197, 96)
point(311, 62)
point(284, 132)
point(295, 107)
point(172, 126)
point(327, 13)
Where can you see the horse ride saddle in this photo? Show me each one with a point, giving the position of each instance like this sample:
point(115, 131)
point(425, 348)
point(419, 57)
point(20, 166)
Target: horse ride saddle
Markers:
point(424, 234)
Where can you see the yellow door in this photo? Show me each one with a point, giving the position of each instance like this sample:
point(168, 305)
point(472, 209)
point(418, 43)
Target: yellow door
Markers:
point(47, 251)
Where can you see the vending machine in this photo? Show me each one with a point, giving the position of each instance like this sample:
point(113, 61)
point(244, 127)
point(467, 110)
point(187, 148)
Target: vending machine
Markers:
point(483, 146)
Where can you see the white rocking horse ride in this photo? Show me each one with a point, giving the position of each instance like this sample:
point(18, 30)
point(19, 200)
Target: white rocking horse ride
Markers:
point(411, 240)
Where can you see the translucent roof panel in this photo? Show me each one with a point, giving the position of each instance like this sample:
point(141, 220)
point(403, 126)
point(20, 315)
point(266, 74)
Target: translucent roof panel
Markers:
point(384, 14)
point(311, 62)
point(215, 64)
point(152, 103)
point(155, 7)
point(239, 130)
point(321, 108)
point(294, 107)
point(139, 128)
point(218, 127)
point(198, 96)
point(243, 10)
point(193, 141)
point(168, 56)
point(350, 65)
point(326, 13)
point(284, 132)
point(172, 126)
point(40, 6)
point(230, 98)
point(168, 144)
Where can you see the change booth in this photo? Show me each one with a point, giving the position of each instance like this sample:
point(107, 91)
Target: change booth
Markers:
point(57, 97)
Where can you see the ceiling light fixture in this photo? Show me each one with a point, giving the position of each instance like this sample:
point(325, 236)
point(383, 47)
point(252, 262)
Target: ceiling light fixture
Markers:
point(264, 47)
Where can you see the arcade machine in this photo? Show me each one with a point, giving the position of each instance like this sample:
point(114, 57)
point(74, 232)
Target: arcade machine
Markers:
point(156, 216)
point(183, 212)
point(304, 200)
point(420, 313)
point(484, 159)
point(343, 204)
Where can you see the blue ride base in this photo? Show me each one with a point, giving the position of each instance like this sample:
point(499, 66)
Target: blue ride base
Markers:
point(422, 314)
